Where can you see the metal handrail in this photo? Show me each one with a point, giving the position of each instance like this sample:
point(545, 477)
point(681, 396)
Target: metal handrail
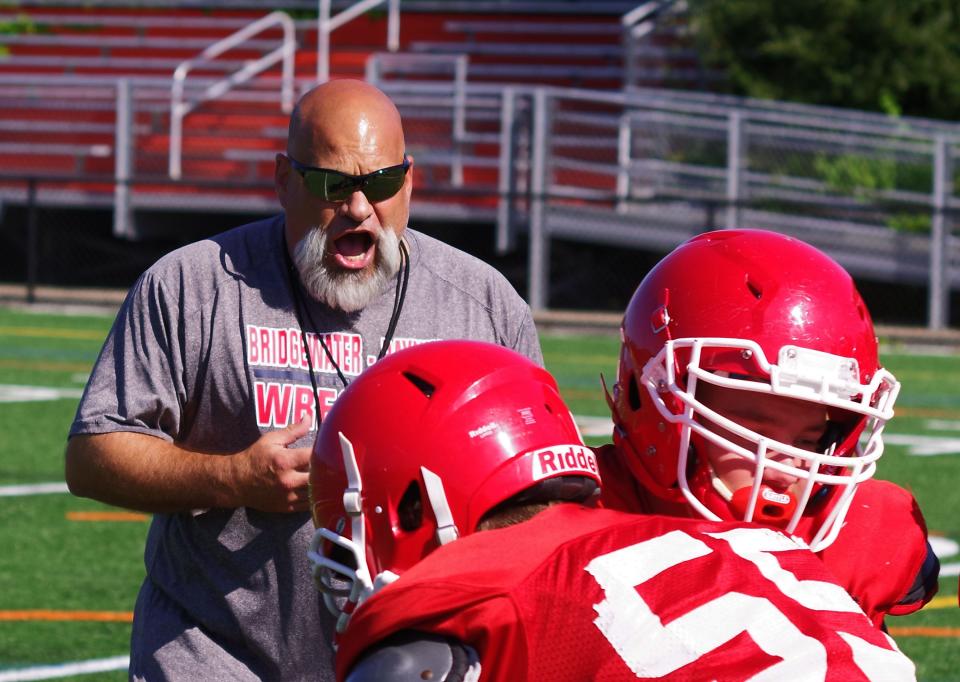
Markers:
point(636, 24)
point(180, 108)
point(327, 25)
point(636, 18)
point(376, 65)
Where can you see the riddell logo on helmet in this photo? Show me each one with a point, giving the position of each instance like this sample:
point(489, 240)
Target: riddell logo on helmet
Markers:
point(564, 459)
point(772, 496)
point(483, 431)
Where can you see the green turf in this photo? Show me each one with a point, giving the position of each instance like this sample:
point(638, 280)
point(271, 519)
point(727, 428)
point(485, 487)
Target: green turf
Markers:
point(49, 562)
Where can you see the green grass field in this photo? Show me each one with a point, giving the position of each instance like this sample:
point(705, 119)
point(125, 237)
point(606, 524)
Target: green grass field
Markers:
point(69, 575)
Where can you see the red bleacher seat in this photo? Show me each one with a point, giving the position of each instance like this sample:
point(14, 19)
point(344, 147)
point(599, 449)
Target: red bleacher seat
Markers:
point(236, 136)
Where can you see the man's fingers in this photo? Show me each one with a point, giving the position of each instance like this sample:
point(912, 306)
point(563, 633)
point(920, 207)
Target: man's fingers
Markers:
point(277, 477)
point(301, 495)
point(292, 432)
point(297, 480)
point(298, 458)
point(302, 427)
point(300, 504)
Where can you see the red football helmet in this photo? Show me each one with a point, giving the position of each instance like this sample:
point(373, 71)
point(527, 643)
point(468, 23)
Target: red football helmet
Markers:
point(753, 311)
point(420, 447)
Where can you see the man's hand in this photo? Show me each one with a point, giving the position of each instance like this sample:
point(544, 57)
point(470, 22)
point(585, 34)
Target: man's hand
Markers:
point(142, 472)
point(270, 475)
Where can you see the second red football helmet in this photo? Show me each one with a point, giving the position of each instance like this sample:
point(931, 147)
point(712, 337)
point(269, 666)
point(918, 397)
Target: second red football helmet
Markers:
point(759, 312)
point(420, 447)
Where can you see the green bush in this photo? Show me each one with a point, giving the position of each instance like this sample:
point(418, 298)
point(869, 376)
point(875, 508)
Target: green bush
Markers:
point(856, 175)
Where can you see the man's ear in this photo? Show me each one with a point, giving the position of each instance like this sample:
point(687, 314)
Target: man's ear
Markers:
point(281, 177)
point(408, 181)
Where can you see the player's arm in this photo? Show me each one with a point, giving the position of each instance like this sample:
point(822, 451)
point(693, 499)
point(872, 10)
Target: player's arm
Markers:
point(139, 471)
point(416, 656)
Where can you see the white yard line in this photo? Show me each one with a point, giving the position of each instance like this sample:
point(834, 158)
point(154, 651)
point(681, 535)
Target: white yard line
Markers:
point(949, 570)
point(33, 489)
point(50, 672)
point(10, 393)
point(594, 426)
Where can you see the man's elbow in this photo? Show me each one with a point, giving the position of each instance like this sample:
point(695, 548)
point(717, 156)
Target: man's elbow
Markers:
point(78, 465)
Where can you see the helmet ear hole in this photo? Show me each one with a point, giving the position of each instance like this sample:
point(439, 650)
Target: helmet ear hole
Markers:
point(410, 509)
point(633, 393)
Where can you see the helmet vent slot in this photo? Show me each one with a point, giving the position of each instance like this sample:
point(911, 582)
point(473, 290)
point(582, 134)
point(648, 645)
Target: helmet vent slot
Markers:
point(422, 384)
point(755, 289)
point(410, 509)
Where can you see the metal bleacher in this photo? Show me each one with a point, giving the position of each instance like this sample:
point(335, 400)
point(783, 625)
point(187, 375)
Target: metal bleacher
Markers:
point(549, 119)
point(60, 78)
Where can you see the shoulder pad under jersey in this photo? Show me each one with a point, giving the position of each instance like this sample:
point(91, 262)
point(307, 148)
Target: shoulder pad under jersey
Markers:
point(925, 584)
point(416, 656)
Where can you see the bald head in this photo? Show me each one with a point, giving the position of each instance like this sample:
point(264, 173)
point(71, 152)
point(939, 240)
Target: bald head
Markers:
point(344, 120)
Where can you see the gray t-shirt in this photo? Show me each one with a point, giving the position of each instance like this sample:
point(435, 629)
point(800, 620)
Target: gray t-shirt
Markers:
point(206, 351)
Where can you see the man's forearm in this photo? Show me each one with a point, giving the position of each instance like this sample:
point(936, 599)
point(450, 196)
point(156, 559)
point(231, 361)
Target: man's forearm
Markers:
point(138, 471)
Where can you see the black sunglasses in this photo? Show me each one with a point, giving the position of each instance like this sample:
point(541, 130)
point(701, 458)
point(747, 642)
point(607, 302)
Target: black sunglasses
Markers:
point(332, 185)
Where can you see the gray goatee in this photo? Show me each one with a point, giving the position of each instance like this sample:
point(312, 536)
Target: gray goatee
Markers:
point(346, 290)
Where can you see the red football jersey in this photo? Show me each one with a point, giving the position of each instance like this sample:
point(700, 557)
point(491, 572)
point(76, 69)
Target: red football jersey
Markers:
point(877, 556)
point(593, 594)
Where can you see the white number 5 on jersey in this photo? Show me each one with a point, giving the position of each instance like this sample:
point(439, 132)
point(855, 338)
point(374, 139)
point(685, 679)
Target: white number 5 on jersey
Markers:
point(651, 649)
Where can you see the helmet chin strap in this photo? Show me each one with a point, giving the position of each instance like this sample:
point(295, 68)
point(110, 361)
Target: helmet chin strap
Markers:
point(720, 486)
point(446, 527)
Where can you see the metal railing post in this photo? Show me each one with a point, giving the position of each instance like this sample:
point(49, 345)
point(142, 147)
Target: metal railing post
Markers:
point(506, 171)
point(734, 164)
point(323, 41)
point(33, 241)
point(539, 248)
point(180, 106)
point(634, 25)
point(939, 294)
point(624, 139)
point(372, 73)
point(177, 111)
point(627, 42)
point(393, 26)
point(327, 25)
point(122, 154)
point(459, 119)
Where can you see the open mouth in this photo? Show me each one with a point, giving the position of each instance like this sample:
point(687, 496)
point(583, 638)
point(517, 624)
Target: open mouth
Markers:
point(354, 250)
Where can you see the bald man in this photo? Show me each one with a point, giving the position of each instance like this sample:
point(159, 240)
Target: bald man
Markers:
point(204, 401)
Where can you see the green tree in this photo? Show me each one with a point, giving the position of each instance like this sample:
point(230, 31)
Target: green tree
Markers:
point(881, 55)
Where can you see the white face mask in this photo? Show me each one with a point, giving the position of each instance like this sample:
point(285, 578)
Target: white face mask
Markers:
point(798, 373)
point(347, 290)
